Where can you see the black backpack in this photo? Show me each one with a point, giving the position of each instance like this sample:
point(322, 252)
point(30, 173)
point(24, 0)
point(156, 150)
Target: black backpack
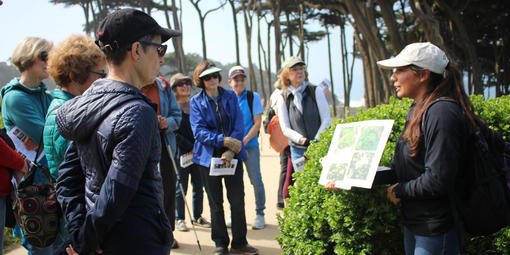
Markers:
point(480, 198)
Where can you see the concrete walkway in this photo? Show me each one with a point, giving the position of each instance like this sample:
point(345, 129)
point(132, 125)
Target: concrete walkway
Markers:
point(264, 239)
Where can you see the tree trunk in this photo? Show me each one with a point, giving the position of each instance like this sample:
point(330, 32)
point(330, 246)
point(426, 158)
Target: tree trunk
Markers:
point(365, 23)
point(391, 23)
point(467, 45)
point(268, 59)
point(289, 32)
point(275, 4)
point(301, 33)
point(331, 73)
point(177, 41)
point(204, 45)
point(344, 68)
point(367, 72)
point(259, 46)
point(248, 25)
point(236, 31)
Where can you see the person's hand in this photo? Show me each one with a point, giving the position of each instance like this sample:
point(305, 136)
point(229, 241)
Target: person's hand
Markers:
point(245, 141)
point(163, 124)
point(390, 196)
point(232, 143)
point(29, 144)
point(70, 251)
point(303, 140)
point(227, 156)
point(331, 186)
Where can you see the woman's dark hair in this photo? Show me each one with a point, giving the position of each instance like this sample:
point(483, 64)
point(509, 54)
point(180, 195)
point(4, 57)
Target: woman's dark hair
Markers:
point(451, 86)
point(202, 66)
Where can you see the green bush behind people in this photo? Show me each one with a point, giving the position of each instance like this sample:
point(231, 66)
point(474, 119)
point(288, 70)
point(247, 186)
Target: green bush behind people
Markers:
point(363, 221)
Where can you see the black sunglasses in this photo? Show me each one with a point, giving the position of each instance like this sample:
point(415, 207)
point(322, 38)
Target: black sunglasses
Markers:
point(100, 74)
point(182, 83)
point(43, 56)
point(210, 76)
point(161, 48)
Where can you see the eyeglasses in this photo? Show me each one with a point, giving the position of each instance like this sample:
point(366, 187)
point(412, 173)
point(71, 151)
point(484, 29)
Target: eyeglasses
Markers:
point(297, 68)
point(161, 48)
point(100, 74)
point(210, 76)
point(182, 83)
point(43, 56)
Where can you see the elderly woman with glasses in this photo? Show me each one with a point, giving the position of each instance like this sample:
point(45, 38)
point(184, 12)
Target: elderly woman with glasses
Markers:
point(301, 101)
point(217, 124)
point(74, 65)
point(25, 102)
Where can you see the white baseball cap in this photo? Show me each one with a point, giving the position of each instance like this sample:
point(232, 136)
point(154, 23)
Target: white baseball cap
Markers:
point(424, 55)
point(292, 61)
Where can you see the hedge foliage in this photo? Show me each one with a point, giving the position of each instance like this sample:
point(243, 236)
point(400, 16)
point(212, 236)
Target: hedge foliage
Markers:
point(363, 221)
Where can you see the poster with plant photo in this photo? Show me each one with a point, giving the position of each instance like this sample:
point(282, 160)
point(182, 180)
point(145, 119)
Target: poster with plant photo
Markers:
point(354, 153)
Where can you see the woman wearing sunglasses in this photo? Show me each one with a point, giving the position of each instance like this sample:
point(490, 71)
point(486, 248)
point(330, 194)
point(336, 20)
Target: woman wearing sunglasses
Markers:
point(217, 124)
point(25, 102)
point(74, 65)
point(181, 85)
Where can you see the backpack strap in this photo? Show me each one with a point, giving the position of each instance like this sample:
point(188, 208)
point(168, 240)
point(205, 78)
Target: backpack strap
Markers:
point(449, 99)
point(249, 96)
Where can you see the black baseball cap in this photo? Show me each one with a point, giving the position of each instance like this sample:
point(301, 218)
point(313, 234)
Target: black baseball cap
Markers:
point(125, 26)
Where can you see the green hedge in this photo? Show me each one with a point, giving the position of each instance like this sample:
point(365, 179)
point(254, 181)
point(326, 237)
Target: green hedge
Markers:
point(362, 221)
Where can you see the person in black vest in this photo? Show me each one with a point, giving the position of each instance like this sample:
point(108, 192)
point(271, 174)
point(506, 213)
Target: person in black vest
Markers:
point(301, 101)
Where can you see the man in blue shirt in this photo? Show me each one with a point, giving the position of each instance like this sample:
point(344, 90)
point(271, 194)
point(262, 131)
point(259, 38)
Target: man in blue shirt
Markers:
point(250, 105)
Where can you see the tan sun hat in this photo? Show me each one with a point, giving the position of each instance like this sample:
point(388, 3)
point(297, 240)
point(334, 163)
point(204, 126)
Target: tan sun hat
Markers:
point(424, 55)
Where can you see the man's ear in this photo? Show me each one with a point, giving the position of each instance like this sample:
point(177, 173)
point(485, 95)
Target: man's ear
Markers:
point(134, 53)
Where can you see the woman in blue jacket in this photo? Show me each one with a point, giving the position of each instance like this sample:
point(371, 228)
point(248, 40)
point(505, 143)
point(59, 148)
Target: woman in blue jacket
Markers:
point(217, 124)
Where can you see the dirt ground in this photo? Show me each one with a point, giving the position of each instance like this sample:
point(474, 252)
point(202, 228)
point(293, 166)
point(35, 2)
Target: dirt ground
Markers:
point(264, 239)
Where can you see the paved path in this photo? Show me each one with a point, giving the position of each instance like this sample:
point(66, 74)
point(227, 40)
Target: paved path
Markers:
point(264, 239)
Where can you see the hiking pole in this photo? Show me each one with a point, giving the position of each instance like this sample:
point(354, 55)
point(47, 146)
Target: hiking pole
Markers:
point(170, 154)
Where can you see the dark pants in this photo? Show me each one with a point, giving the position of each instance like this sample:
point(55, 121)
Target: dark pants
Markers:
point(169, 180)
point(198, 192)
point(283, 175)
point(235, 194)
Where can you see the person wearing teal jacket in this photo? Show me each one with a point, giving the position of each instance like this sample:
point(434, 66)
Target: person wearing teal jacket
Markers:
point(25, 102)
point(74, 65)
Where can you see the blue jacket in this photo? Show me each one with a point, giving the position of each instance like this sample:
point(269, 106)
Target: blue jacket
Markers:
point(25, 107)
point(171, 111)
point(55, 145)
point(205, 128)
point(109, 187)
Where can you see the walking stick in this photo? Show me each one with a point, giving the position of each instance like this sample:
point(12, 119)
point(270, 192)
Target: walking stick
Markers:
point(170, 154)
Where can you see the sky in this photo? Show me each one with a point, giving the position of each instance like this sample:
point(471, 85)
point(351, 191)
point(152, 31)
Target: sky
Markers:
point(22, 18)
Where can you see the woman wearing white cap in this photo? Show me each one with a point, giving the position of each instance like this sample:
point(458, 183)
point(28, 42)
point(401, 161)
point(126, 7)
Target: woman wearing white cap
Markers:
point(431, 148)
point(217, 124)
point(301, 101)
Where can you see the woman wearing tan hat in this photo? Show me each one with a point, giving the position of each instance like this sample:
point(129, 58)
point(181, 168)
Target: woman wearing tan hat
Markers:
point(432, 147)
point(181, 85)
point(301, 101)
point(217, 124)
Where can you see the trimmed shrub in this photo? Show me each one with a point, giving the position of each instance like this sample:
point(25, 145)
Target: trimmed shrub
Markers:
point(363, 221)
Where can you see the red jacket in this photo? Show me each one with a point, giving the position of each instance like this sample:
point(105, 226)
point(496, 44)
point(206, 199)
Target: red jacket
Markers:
point(8, 159)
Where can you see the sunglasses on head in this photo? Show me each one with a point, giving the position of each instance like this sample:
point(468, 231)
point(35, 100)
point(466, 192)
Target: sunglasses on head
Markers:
point(182, 83)
point(43, 56)
point(100, 74)
point(210, 76)
point(160, 47)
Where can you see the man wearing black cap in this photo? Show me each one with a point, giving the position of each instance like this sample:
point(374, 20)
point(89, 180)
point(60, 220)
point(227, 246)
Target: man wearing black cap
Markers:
point(109, 186)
